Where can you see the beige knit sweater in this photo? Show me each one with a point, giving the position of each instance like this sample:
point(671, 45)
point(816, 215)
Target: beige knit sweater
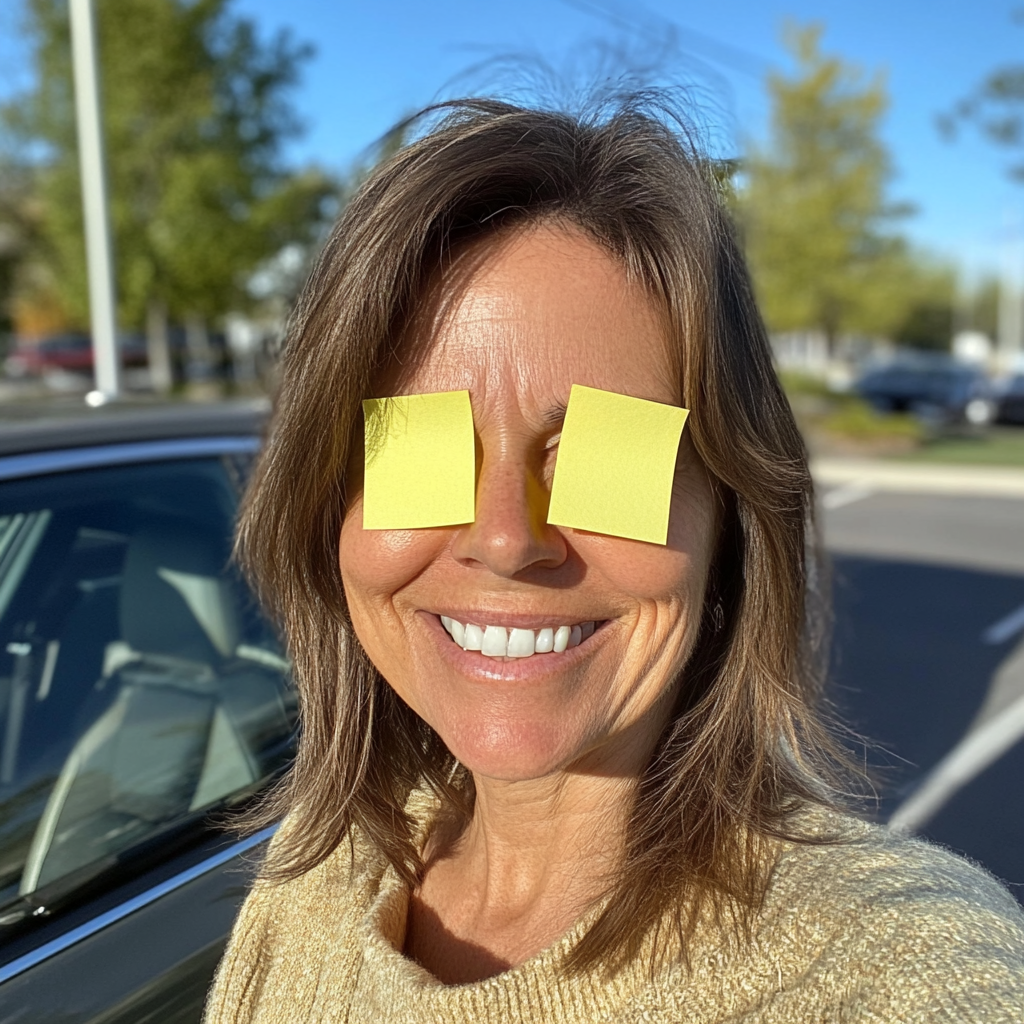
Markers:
point(877, 929)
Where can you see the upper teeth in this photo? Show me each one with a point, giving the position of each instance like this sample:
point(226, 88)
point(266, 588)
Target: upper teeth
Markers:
point(499, 642)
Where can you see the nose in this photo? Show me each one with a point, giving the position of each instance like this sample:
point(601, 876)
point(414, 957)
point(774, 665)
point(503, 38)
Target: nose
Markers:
point(510, 532)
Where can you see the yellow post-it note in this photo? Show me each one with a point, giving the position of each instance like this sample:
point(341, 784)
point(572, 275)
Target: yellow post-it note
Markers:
point(615, 465)
point(420, 461)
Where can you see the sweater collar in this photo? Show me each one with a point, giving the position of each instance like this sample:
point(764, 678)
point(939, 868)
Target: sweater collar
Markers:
point(538, 989)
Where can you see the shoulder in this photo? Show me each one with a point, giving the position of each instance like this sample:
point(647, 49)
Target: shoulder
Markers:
point(855, 860)
point(342, 882)
point(860, 865)
point(904, 922)
point(282, 924)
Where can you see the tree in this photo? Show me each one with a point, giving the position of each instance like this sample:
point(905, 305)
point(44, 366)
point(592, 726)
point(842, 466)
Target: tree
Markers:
point(18, 222)
point(195, 117)
point(995, 108)
point(929, 314)
point(817, 224)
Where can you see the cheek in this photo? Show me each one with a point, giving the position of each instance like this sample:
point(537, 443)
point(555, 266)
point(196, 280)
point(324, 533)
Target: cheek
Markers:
point(376, 564)
point(649, 574)
point(666, 574)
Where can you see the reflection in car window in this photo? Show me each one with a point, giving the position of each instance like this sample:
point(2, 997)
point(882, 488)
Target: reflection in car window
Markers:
point(139, 686)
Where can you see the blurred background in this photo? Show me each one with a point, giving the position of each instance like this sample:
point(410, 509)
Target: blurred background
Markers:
point(874, 156)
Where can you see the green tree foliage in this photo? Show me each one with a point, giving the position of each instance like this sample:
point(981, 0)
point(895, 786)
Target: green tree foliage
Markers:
point(818, 226)
point(996, 108)
point(926, 325)
point(927, 315)
point(18, 217)
point(195, 115)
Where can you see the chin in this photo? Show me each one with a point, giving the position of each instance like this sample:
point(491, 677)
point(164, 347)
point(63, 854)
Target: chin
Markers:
point(511, 751)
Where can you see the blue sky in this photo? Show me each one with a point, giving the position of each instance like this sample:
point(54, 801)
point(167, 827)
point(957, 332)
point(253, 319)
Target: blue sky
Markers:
point(377, 60)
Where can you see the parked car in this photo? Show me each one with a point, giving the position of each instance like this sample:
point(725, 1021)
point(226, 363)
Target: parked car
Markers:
point(70, 352)
point(931, 386)
point(142, 698)
point(1011, 400)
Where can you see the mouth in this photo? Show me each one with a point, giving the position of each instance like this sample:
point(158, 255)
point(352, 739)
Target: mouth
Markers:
point(496, 641)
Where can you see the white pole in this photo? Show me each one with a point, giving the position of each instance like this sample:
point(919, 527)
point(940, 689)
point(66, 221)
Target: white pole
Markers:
point(99, 255)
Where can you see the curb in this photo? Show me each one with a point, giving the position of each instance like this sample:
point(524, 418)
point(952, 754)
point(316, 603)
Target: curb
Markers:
point(918, 478)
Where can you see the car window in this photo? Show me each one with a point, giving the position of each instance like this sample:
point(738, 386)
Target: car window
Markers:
point(139, 686)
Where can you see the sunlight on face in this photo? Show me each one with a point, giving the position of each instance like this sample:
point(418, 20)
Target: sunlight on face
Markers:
point(543, 309)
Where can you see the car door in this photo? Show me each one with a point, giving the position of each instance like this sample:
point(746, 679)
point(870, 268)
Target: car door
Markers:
point(143, 698)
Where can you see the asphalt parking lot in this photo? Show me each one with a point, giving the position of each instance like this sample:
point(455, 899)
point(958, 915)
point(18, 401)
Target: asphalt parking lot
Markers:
point(928, 658)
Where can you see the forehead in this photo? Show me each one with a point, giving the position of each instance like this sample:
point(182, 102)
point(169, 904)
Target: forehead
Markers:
point(526, 315)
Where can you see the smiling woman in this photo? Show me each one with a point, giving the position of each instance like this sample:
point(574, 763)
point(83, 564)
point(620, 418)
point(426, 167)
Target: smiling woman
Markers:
point(546, 772)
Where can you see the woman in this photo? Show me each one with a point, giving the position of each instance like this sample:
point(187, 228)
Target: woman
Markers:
point(644, 824)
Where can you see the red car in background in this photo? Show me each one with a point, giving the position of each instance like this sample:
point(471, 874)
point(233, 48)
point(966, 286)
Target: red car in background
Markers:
point(70, 352)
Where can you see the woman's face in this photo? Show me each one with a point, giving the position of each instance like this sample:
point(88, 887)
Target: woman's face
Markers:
point(542, 309)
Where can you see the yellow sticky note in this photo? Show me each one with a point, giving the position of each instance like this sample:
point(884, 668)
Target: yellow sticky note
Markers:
point(420, 461)
point(615, 465)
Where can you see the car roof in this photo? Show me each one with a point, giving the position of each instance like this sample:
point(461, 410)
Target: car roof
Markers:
point(80, 427)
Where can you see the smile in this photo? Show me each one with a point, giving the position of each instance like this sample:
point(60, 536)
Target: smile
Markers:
point(502, 642)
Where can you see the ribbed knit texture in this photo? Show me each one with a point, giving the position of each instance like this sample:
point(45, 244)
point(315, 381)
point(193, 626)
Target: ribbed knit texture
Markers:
point(876, 928)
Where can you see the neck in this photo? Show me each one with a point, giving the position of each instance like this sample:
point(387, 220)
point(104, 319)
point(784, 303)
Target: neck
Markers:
point(535, 856)
point(546, 839)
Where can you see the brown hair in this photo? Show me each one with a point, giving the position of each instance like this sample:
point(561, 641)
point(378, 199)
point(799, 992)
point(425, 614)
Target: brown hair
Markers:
point(744, 746)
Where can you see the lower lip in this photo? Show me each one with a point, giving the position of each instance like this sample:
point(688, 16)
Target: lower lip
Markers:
point(519, 670)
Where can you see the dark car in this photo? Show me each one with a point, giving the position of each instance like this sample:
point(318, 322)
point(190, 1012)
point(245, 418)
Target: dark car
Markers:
point(143, 698)
point(932, 386)
point(1011, 400)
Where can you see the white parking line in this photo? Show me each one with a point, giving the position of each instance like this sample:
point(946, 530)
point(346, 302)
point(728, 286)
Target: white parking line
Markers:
point(907, 477)
point(847, 494)
point(1006, 627)
point(969, 758)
